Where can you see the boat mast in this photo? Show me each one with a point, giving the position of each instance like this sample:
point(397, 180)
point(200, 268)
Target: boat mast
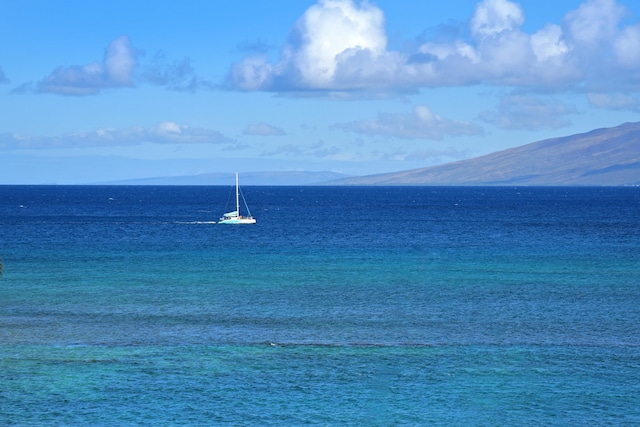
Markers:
point(237, 196)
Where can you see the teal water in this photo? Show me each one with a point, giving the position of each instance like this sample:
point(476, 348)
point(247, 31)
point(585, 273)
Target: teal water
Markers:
point(342, 306)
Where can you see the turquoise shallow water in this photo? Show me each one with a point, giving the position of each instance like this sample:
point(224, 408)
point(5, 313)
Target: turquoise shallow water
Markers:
point(267, 385)
point(342, 306)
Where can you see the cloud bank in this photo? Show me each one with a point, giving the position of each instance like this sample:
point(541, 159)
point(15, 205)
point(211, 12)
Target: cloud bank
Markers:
point(114, 71)
point(163, 133)
point(117, 70)
point(528, 112)
point(422, 123)
point(341, 45)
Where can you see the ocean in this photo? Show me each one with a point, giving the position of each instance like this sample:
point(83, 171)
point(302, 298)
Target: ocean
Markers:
point(342, 306)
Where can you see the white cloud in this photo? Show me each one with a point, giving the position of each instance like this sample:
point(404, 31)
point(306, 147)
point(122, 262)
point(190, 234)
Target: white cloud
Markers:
point(627, 47)
point(456, 49)
point(341, 45)
point(116, 70)
point(331, 29)
point(169, 128)
point(119, 61)
point(163, 133)
point(548, 43)
point(422, 123)
point(594, 22)
point(329, 33)
point(494, 16)
point(263, 129)
point(254, 73)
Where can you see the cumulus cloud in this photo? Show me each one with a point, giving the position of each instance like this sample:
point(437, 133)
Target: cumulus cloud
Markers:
point(495, 16)
point(547, 43)
point(114, 71)
point(117, 70)
point(528, 112)
point(119, 61)
point(263, 129)
point(163, 133)
point(595, 22)
point(341, 45)
point(422, 123)
point(329, 34)
point(333, 29)
point(627, 47)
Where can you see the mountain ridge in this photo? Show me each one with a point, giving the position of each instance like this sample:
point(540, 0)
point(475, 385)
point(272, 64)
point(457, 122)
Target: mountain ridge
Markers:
point(600, 157)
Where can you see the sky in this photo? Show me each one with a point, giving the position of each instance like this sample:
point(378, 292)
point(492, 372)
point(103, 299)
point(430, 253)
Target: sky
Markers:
point(99, 91)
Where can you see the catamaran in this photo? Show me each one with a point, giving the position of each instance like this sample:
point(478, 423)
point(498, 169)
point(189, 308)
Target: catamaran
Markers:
point(235, 217)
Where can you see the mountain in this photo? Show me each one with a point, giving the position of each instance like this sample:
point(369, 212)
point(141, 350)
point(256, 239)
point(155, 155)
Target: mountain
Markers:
point(609, 156)
point(246, 178)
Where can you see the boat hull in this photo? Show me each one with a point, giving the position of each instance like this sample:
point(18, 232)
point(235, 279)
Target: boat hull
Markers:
point(235, 217)
point(237, 221)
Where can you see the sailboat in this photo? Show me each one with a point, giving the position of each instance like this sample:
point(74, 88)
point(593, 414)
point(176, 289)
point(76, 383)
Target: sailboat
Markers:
point(235, 217)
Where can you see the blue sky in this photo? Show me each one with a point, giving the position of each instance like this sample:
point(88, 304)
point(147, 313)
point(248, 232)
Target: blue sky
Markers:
point(97, 91)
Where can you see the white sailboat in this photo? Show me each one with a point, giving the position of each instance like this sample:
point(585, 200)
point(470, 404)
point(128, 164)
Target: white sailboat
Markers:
point(235, 217)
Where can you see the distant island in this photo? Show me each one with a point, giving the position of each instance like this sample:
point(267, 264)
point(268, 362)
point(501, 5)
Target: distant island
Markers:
point(601, 157)
point(248, 178)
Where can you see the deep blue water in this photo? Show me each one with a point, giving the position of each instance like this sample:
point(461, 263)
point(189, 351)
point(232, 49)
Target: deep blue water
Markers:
point(341, 306)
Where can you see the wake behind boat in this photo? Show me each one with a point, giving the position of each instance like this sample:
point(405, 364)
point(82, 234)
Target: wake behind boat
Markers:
point(235, 217)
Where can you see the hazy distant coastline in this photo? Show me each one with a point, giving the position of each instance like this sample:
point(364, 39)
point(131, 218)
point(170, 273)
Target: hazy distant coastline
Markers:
point(247, 178)
point(602, 157)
